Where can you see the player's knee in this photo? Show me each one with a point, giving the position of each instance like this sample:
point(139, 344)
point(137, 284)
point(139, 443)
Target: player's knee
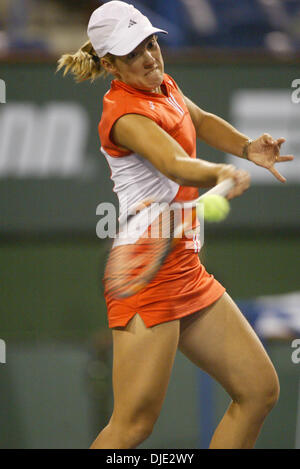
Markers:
point(143, 428)
point(269, 393)
point(138, 431)
point(262, 395)
point(134, 430)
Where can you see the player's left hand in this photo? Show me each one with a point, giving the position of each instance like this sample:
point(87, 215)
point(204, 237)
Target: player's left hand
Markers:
point(265, 152)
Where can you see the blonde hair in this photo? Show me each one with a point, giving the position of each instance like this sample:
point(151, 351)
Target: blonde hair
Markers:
point(84, 64)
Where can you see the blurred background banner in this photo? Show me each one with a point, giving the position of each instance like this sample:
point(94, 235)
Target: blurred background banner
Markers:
point(53, 173)
point(50, 163)
point(239, 60)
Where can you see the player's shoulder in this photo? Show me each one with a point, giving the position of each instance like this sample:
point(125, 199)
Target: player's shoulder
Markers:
point(114, 100)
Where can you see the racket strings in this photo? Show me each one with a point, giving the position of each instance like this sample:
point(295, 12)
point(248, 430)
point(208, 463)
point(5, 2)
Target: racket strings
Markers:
point(131, 266)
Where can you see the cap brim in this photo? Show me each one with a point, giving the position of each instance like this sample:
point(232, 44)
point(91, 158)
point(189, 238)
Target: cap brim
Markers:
point(124, 49)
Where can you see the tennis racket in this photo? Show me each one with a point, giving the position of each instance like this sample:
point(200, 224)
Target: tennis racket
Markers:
point(141, 248)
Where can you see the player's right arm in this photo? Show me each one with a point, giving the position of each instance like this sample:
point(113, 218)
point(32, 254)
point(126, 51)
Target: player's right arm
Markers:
point(142, 135)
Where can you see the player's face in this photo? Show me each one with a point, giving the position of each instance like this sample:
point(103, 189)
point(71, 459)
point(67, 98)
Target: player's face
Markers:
point(143, 68)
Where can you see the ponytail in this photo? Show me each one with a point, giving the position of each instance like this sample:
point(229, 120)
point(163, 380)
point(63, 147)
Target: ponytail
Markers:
point(84, 64)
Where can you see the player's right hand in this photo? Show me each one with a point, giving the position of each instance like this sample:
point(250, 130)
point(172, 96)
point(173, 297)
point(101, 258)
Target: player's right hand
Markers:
point(240, 177)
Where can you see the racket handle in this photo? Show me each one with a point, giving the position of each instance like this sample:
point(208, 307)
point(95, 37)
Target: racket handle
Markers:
point(220, 189)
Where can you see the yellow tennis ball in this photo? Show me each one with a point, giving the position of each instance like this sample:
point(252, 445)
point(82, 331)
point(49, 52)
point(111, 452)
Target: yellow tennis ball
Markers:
point(216, 207)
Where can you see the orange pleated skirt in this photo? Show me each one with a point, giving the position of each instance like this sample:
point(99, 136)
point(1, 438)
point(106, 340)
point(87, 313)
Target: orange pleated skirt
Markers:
point(181, 287)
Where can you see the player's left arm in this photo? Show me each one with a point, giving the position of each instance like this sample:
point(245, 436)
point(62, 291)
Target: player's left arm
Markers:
point(216, 132)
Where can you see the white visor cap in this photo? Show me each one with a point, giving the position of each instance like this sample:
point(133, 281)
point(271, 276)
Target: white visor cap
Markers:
point(118, 28)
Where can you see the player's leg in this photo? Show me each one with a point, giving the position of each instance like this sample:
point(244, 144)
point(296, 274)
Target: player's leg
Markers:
point(142, 364)
point(221, 342)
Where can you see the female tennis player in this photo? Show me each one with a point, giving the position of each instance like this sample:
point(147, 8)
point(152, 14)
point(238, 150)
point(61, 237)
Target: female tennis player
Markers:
point(148, 133)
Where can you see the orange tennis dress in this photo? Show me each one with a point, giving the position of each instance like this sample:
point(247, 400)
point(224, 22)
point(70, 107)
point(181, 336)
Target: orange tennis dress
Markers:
point(182, 286)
